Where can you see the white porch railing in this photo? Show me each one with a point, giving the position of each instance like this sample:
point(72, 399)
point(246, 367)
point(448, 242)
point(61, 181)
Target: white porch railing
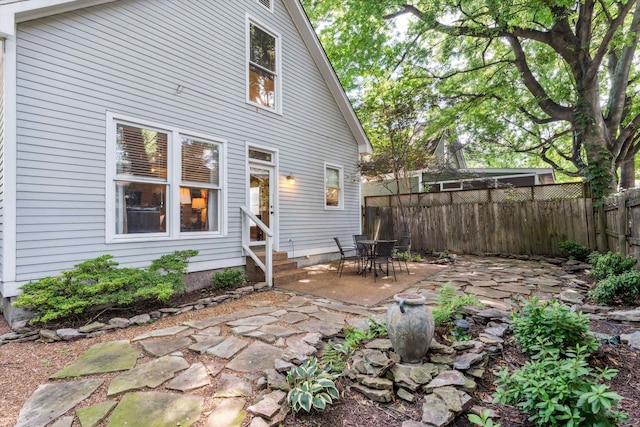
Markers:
point(267, 266)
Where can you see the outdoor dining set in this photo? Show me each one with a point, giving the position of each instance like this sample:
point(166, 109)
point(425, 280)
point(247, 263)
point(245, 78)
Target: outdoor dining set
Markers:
point(371, 254)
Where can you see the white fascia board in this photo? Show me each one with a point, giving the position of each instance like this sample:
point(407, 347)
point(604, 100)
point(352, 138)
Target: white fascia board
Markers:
point(21, 11)
point(328, 73)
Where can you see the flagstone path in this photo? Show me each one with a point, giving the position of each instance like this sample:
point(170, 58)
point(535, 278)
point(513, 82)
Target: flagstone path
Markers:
point(258, 345)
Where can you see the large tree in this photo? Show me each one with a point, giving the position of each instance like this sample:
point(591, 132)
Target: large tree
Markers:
point(558, 78)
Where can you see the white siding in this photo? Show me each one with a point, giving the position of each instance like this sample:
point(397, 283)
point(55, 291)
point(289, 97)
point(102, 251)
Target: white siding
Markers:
point(129, 57)
point(2, 95)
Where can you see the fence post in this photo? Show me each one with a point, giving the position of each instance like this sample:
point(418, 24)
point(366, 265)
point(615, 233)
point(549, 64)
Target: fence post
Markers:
point(622, 222)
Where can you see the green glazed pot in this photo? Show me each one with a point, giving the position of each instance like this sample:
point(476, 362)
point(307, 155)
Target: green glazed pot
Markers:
point(410, 326)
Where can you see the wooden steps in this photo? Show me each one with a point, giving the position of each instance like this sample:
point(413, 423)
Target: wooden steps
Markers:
point(284, 269)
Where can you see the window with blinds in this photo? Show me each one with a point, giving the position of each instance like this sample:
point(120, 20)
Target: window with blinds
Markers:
point(151, 192)
point(141, 152)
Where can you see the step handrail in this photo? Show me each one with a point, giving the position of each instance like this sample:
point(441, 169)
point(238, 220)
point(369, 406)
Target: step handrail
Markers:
point(267, 266)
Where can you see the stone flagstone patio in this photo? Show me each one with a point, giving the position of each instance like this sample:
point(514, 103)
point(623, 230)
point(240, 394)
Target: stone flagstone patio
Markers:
point(260, 344)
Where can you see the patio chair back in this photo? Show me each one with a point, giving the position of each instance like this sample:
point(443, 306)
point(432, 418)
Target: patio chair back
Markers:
point(384, 248)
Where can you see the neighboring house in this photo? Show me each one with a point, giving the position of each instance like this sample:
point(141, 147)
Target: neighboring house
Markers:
point(452, 174)
point(140, 127)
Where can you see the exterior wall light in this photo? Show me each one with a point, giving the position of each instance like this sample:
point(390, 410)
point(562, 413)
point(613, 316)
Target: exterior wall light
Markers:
point(291, 179)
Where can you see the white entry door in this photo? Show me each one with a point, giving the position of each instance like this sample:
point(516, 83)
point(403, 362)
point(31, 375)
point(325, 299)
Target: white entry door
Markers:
point(261, 187)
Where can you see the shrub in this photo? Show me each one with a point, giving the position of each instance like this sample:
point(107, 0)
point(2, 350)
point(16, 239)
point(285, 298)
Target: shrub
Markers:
point(561, 390)
point(416, 258)
point(228, 278)
point(610, 264)
point(624, 288)
point(550, 324)
point(99, 282)
point(483, 419)
point(574, 250)
point(311, 387)
point(450, 305)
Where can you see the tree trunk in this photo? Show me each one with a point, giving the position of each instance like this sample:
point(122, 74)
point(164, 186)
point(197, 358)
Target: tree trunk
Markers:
point(628, 173)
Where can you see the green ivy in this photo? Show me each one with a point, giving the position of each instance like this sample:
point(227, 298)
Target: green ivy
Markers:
point(100, 282)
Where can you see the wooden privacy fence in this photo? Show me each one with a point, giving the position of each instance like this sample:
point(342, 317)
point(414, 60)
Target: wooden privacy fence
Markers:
point(622, 217)
point(524, 220)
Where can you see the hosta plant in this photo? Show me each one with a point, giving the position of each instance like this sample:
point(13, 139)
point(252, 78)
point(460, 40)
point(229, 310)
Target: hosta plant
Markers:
point(311, 387)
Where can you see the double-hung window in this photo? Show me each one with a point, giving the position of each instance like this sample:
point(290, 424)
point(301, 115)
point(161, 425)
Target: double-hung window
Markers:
point(263, 67)
point(161, 182)
point(199, 186)
point(333, 184)
point(141, 183)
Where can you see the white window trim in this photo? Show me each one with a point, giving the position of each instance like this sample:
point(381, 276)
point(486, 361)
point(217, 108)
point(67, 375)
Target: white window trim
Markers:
point(341, 194)
point(174, 174)
point(278, 72)
point(270, 8)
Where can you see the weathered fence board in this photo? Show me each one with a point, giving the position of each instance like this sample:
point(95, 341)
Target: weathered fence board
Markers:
point(525, 222)
point(622, 213)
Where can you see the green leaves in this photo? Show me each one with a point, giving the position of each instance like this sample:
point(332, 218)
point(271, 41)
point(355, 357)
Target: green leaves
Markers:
point(542, 325)
point(99, 282)
point(555, 393)
point(311, 387)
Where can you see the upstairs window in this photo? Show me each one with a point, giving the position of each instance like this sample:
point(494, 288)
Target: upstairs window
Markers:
point(263, 67)
point(333, 183)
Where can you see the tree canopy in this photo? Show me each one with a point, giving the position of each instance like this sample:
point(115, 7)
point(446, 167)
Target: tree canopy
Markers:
point(558, 79)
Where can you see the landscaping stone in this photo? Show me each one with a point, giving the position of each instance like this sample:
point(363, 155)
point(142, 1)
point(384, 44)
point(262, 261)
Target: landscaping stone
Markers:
point(376, 382)
point(314, 339)
point(276, 380)
point(497, 329)
point(47, 336)
point(633, 339)
point(63, 422)
point(166, 346)
point(228, 413)
point(279, 331)
point(119, 322)
point(50, 401)
point(266, 408)
point(195, 376)
point(446, 378)
point(253, 321)
point(70, 334)
point(205, 342)
point(91, 327)
point(331, 317)
point(571, 296)
point(292, 318)
point(297, 352)
point(382, 396)
point(101, 358)
point(625, 315)
point(406, 395)
point(150, 374)
point(435, 412)
point(173, 330)
point(93, 415)
point(465, 361)
point(232, 386)
point(141, 319)
point(326, 329)
point(227, 348)
point(144, 409)
point(257, 357)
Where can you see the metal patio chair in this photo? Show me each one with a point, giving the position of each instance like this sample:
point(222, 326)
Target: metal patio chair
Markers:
point(383, 254)
point(403, 246)
point(344, 257)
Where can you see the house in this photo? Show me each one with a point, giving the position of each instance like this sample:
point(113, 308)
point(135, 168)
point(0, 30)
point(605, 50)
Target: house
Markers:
point(139, 127)
point(452, 174)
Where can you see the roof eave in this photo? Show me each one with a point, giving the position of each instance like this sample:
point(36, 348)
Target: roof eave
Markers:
point(318, 54)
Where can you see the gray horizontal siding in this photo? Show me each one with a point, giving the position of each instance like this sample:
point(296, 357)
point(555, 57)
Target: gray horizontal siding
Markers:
point(74, 67)
point(2, 110)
